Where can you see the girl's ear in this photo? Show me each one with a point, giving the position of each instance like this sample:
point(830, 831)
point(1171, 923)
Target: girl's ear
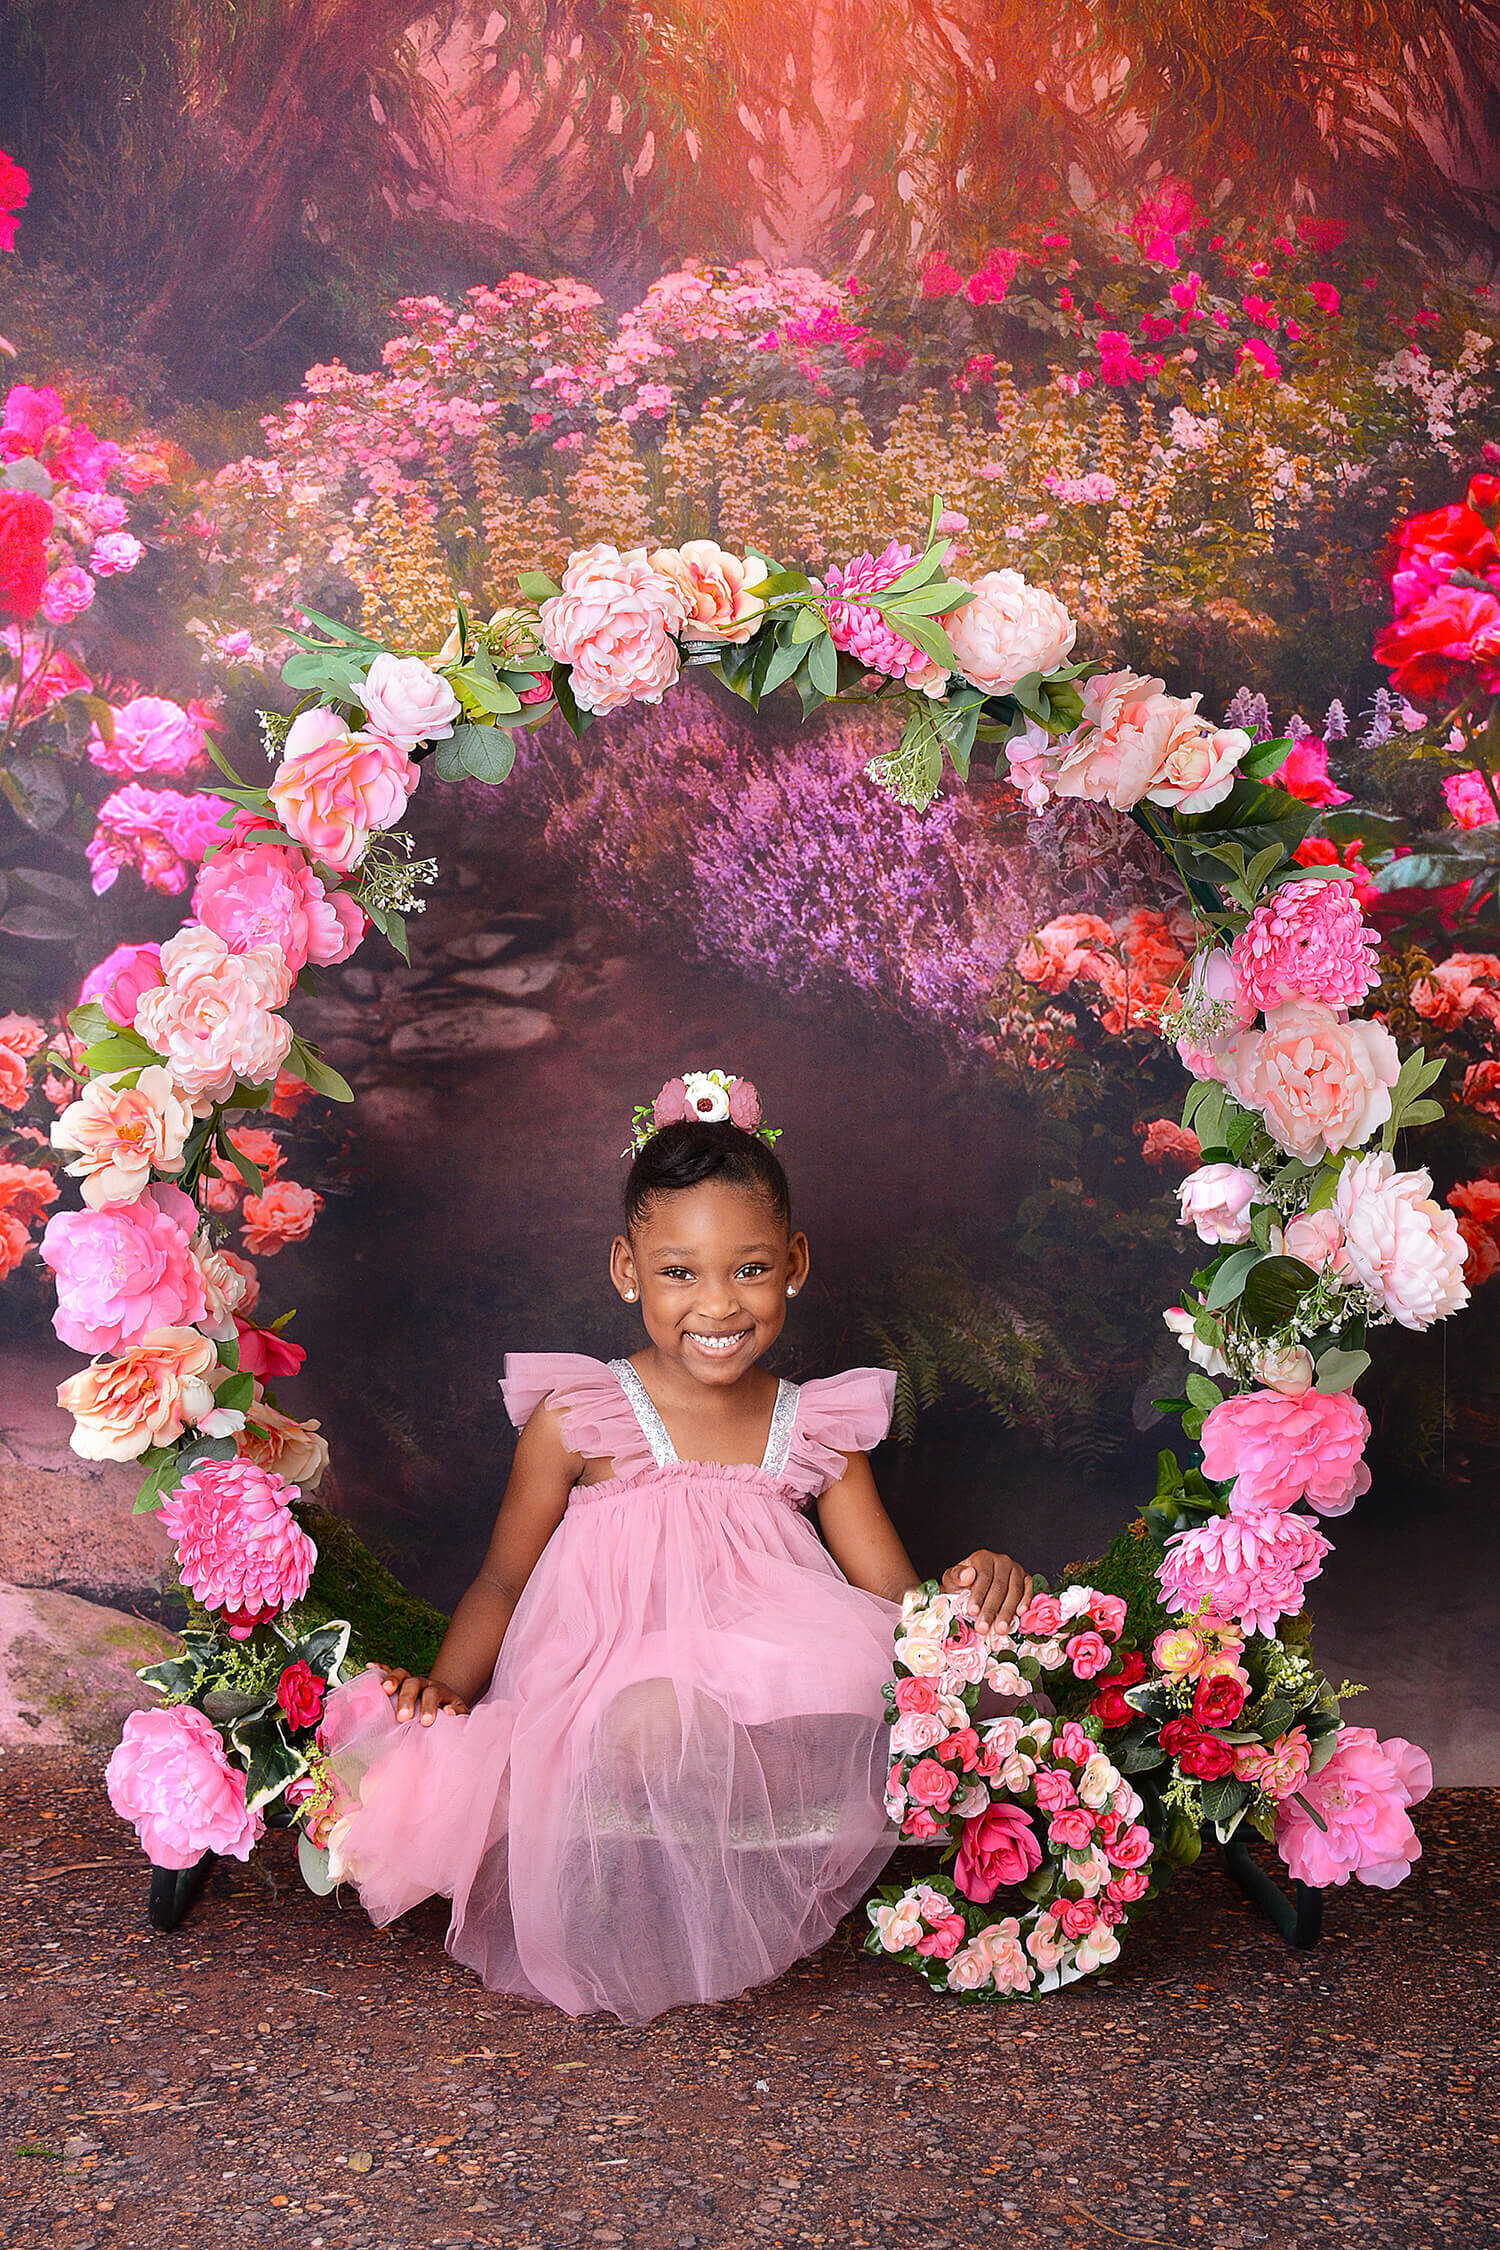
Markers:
point(622, 1269)
point(798, 1263)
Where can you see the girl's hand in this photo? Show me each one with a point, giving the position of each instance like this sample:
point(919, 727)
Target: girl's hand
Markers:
point(420, 1698)
point(998, 1585)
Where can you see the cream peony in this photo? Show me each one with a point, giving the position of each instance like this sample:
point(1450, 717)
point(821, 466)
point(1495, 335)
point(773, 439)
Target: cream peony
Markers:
point(1320, 1085)
point(1007, 631)
point(148, 1396)
point(1402, 1245)
point(124, 1133)
point(214, 1018)
point(613, 624)
point(407, 702)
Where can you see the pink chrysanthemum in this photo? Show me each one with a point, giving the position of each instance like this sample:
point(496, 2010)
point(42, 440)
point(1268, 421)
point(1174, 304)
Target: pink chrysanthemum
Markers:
point(861, 631)
point(1250, 1567)
point(1307, 941)
point(239, 1548)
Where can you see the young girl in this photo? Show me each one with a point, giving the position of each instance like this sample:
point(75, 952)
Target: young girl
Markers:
point(648, 1764)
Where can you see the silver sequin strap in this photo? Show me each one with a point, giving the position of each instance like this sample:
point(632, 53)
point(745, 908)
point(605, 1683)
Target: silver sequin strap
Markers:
point(653, 1428)
point(783, 1422)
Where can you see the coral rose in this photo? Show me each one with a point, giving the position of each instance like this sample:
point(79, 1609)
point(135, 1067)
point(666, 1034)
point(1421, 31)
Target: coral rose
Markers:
point(1402, 1245)
point(170, 1778)
point(1216, 1200)
point(118, 981)
point(998, 1848)
point(149, 734)
point(1163, 1141)
point(1008, 631)
point(213, 1019)
point(240, 1550)
point(124, 1133)
point(294, 1449)
point(1279, 1768)
point(124, 1271)
point(332, 788)
point(147, 1397)
point(21, 1037)
point(1319, 1084)
point(1063, 949)
point(283, 1212)
point(1355, 1821)
point(1280, 1450)
point(407, 702)
point(613, 623)
point(716, 590)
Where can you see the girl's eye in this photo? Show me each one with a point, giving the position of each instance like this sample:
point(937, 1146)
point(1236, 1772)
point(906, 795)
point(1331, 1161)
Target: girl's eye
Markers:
point(675, 1273)
point(754, 1273)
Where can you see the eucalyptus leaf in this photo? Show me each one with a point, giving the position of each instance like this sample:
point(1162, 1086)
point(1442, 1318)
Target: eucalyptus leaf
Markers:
point(1340, 1370)
point(486, 753)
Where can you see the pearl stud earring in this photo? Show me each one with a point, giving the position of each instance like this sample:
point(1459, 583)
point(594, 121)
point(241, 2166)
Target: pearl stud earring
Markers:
point(630, 1296)
point(790, 1290)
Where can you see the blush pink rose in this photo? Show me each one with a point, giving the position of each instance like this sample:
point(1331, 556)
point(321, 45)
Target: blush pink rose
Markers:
point(213, 1019)
point(283, 1212)
point(295, 1450)
point(918, 1695)
point(1404, 1247)
point(1007, 631)
point(407, 702)
point(716, 590)
point(1054, 1789)
point(124, 1271)
point(122, 1134)
point(1280, 1450)
point(148, 1396)
point(1135, 741)
point(118, 981)
point(613, 623)
point(332, 788)
point(260, 895)
point(150, 734)
point(240, 1550)
point(1216, 1200)
point(1073, 1827)
point(1319, 1084)
point(1362, 1827)
point(170, 1778)
point(1317, 1239)
point(921, 1824)
point(998, 1848)
point(916, 1731)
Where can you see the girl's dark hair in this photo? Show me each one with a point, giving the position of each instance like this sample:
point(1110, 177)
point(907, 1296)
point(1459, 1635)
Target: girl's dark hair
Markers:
point(686, 1154)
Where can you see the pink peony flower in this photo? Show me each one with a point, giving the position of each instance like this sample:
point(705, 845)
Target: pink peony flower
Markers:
point(118, 981)
point(148, 1396)
point(613, 623)
point(861, 631)
point(1249, 1566)
point(124, 1133)
point(716, 590)
point(170, 1778)
point(1362, 1827)
point(744, 1105)
point(1403, 1246)
point(1280, 1450)
point(671, 1104)
point(407, 702)
point(1309, 940)
point(151, 734)
point(1007, 631)
point(998, 1848)
point(283, 1212)
point(1135, 741)
point(114, 553)
point(66, 594)
point(1320, 1084)
point(122, 1272)
point(1216, 1200)
point(333, 788)
point(1317, 1238)
point(1279, 1768)
point(213, 1019)
point(262, 895)
point(240, 1550)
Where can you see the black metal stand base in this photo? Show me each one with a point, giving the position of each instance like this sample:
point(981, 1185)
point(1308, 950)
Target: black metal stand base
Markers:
point(173, 1890)
point(1298, 1918)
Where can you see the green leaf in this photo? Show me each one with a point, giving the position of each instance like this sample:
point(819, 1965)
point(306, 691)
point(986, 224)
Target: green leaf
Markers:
point(303, 1063)
point(122, 1051)
point(336, 673)
point(219, 759)
point(1202, 1392)
point(270, 1760)
point(1263, 759)
point(1341, 1370)
point(1230, 1278)
point(562, 688)
point(1273, 1290)
point(348, 636)
point(485, 753)
point(537, 586)
point(447, 763)
point(237, 1391)
point(250, 1173)
point(823, 665)
point(784, 660)
point(162, 1473)
point(179, 1675)
point(1422, 1113)
point(89, 1022)
point(490, 695)
point(808, 623)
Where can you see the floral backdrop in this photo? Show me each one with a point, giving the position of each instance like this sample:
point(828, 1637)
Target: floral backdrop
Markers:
point(1235, 406)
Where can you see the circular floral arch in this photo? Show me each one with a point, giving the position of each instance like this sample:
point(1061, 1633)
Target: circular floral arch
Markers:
point(1167, 1692)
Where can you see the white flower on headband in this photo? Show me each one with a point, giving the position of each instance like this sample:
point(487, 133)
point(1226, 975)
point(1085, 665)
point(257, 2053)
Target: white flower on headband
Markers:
point(706, 1097)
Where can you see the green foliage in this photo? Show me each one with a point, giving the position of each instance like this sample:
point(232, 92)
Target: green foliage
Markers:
point(387, 1622)
point(1128, 1567)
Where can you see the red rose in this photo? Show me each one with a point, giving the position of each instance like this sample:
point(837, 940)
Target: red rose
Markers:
point(999, 1847)
point(264, 1353)
point(1110, 1706)
point(1219, 1700)
point(1454, 626)
point(25, 520)
point(1207, 1759)
point(1177, 1735)
point(300, 1692)
point(1457, 533)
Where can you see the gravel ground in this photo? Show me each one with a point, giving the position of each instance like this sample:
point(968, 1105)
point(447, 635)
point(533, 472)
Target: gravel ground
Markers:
point(277, 2072)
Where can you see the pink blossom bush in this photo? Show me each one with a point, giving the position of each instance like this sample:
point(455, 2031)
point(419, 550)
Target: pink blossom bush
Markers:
point(1351, 1817)
point(257, 895)
point(124, 1271)
point(150, 734)
point(1280, 1449)
point(1320, 1084)
point(1252, 1566)
point(613, 624)
point(170, 1778)
point(1405, 1248)
point(333, 788)
point(240, 1550)
point(159, 832)
point(213, 1018)
point(1308, 941)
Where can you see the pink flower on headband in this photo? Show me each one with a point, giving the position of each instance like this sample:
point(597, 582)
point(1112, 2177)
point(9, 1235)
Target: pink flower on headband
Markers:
point(708, 1097)
point(671, 1104)
point(744, 1104)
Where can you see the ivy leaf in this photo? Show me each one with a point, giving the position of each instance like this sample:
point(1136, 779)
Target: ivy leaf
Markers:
point(270, 1759)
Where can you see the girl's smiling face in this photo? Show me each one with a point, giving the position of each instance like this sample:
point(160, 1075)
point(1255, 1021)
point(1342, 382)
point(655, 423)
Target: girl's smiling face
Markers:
point(712, 1267)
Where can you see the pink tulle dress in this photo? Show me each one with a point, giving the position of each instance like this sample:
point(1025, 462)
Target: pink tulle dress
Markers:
point(672, 1788)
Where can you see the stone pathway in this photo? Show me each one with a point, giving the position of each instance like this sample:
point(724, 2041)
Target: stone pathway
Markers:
point(279, 2073)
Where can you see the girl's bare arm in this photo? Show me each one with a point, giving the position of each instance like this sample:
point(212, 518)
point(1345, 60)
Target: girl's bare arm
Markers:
point(867, 1548)
point(531, 1510)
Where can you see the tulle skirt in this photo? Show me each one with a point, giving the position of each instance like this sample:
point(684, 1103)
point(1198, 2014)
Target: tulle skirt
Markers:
point(673, 1787)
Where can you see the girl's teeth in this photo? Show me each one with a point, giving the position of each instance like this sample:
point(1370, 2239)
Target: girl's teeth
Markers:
point(721, 1344)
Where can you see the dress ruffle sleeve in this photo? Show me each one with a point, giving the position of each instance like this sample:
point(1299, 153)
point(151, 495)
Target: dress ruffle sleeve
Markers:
point(837, 1416)
point(597, 1420)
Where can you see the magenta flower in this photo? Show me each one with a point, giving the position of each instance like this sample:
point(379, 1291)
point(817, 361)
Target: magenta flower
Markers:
point(1280, 1450)
point(1307, 941)
point(170, 1778)
point(1362, 1827)
point(124, 1271)
point(240, 1550)
point(118, 981)
point(115, 553)
point(862, 632)
point(152, 734)
point(1252, 1567)
point(67, 594)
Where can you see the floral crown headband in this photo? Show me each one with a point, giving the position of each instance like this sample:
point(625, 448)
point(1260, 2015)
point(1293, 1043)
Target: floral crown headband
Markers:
point(711, 1097)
